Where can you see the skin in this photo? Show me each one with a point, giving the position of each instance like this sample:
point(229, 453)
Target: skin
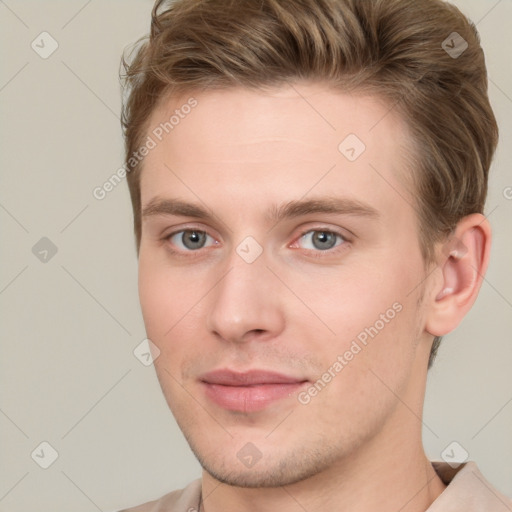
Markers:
point(356, 445)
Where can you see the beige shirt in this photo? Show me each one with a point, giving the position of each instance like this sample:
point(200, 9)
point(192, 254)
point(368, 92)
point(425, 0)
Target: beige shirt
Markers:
point(467, 491)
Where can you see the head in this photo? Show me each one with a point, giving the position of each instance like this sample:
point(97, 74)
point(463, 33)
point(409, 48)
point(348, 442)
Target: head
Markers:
point(338, 151)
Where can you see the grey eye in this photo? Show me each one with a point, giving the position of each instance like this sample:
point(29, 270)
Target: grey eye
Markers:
point(189, 239)
point(321, 240)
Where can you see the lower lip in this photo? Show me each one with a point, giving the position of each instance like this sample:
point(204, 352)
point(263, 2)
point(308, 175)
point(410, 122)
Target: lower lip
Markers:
point(249, 398)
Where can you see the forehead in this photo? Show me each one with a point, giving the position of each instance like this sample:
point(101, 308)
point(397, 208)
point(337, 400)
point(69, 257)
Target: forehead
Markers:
point(275, 143)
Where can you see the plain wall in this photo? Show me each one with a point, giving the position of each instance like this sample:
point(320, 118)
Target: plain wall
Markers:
point(70, 324)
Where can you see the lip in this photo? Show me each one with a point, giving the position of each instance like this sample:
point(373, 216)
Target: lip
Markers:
point(249, 391)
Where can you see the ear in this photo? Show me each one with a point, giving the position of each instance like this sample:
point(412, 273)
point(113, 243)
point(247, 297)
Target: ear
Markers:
point(463, 261)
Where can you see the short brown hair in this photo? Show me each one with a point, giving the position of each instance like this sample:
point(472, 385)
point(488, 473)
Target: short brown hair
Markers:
point(411, 53)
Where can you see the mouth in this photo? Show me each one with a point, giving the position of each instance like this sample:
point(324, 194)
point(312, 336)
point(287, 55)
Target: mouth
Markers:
point(249, 391)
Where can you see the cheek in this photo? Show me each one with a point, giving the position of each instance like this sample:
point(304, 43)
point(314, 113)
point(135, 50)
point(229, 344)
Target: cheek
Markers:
point(161, 297)
point(367, 313)
point(375, 321)
point(167, 296)
point(350, 299)
point(152, 296)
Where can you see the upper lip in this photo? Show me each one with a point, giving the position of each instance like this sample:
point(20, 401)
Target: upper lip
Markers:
point(227, 377)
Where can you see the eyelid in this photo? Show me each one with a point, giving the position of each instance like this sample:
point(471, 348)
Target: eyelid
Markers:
point(167, 237)
point(177, 252)
point(325, 229)
point(188, 227)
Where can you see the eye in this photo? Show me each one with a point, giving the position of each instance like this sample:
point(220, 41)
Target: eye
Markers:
point(321, 240)
point(189, 239)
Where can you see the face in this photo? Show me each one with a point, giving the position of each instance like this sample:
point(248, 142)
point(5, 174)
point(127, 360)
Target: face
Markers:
point(280, 278)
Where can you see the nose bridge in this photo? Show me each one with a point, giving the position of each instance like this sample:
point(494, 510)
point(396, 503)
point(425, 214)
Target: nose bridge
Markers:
point(246, 298)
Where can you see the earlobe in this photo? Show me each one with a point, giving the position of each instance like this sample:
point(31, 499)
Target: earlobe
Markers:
point(463, 261)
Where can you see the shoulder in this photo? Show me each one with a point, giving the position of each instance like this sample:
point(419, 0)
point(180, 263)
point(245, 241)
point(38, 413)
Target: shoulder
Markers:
point(467, 491)
point(182, 500)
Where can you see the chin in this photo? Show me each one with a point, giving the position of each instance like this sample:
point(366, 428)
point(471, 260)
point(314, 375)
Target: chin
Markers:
point(273, 470)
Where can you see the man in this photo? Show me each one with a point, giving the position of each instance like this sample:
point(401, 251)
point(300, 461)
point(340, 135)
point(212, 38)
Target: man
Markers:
point(308, 179)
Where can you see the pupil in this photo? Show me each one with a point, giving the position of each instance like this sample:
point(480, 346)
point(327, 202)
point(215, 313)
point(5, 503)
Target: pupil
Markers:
point(325, 239)
point(193, 239)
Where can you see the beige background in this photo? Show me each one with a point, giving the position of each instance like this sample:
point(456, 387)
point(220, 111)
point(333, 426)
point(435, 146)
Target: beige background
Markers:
point(70, 325)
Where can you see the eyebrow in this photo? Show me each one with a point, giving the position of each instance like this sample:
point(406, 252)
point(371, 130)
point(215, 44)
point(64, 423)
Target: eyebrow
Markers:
point(275, 213)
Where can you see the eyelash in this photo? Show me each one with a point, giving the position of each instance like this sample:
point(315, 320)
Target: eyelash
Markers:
point(328, 252)
point(312, 252)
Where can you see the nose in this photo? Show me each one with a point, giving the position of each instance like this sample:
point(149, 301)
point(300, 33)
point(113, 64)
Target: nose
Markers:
point(246, 304)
